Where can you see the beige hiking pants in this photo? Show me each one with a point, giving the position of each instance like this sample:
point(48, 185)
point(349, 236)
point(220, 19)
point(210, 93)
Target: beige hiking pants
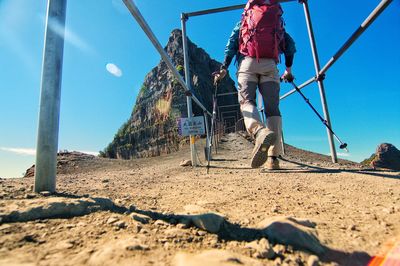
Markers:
point(263, 75)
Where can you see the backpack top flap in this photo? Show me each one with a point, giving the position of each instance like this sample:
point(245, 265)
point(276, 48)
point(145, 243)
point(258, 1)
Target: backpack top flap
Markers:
point(261, 30)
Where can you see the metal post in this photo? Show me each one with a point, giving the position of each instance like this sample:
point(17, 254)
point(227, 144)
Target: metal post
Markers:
point(320, 80)
point(283, 143)
point(224, 9)
point(260, 106)
point(189, 85)
point(208, 146)
point(370, 19)
point(50, 94)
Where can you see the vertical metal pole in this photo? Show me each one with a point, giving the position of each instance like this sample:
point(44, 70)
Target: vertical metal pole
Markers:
point(283, 143)
point(320, 80)
point(207, 135)
point(260, 107)
point(50, 94)
point(189, 85)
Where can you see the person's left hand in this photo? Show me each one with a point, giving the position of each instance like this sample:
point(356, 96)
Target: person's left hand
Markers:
point(288, 76)
point(218, 76)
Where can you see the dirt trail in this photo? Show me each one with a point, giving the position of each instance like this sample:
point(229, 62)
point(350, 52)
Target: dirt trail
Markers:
point(354, 212)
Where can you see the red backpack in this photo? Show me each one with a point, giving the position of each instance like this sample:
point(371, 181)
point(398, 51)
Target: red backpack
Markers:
point(262, 30)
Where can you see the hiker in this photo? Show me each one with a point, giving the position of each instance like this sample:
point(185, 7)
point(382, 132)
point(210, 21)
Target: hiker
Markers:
point(257, 50)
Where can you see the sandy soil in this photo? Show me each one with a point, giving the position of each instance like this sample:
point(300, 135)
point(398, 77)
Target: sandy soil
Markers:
point(356, 211)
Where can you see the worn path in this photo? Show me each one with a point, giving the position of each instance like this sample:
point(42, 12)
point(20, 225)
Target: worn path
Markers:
point(132, 212)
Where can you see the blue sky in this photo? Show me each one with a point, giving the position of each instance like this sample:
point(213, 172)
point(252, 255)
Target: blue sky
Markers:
point(362, 87)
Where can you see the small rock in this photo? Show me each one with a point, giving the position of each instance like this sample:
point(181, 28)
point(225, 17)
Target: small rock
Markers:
point(390, 210)
point(120, 224)
point(160, 223)
point(30, 196)
point(45, 193)
point(136, 227)
point(112, 220)
point(105, 181)
point(313, 261)
point(278, 261)
point(40, 226)
point(352, 227)
point(262, 249)
point(141, 218)
point(209, 222)
point(69, 226)
point(174, 233)
point(138, 246)
point(29, 238)
point(64, 245)
point(185, 163)
point(265, 250)
point(275, 209)
point(182, 226)
point(201, 233)
point(279, 249)
point(144, 231)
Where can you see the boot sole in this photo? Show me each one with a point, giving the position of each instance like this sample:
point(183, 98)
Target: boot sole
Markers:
point(261, 155)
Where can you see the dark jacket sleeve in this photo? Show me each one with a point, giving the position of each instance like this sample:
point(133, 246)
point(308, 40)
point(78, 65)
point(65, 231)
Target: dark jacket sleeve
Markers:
point(232, 47)
point(289, 50)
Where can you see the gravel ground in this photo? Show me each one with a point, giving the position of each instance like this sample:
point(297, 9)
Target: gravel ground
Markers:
point(354, 212)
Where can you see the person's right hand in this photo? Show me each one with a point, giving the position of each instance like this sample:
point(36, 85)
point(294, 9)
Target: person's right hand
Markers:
point(218, 76)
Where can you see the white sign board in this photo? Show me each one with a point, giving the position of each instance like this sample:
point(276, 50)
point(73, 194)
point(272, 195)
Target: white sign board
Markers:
point(191, 126)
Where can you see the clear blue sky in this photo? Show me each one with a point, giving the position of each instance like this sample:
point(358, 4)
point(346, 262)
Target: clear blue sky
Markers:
point(362, 88)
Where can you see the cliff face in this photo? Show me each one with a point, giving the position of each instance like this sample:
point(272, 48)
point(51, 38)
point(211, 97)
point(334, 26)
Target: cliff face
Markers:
point(152, 128)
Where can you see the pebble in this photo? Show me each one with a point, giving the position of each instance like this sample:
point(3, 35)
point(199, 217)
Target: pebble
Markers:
point(182, 226)
point(120, 224)
point(144, 219)
point(201, 233)
point(262, 249)
point(69, 226)
point(30, 196)
point(313, 261)
point(45, 193)
point(136, 227)
point(112, 220)
point(353, 227)
point(138, 246)
point(160, 223)
point(40, 226)
point(185, 163)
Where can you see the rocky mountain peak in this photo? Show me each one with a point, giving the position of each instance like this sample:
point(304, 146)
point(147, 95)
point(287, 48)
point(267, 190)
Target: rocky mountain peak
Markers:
point(152, 129)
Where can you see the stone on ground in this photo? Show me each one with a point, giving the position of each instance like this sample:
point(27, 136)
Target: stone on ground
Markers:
point(52, 207)
point(209, 222)
point(287, 232)
point(213, 258)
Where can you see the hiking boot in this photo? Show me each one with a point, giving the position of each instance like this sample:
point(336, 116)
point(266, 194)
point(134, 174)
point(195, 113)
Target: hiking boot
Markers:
point(264, 139)
point(272, 163)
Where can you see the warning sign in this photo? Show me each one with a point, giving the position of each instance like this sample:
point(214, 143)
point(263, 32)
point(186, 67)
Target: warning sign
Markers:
point(191, 126)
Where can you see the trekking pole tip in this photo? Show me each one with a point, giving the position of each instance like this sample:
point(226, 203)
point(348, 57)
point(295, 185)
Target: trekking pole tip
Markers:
point(344, 147)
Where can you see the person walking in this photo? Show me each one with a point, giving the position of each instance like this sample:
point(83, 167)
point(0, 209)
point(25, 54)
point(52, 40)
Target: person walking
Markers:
point(257, 42)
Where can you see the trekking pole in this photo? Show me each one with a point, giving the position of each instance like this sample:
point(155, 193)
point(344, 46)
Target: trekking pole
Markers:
point(343, 145)
point(213, 118)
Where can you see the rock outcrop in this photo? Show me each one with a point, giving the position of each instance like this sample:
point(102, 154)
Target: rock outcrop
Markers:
point(386, 156)
point(65, 161)
point(152, 128)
